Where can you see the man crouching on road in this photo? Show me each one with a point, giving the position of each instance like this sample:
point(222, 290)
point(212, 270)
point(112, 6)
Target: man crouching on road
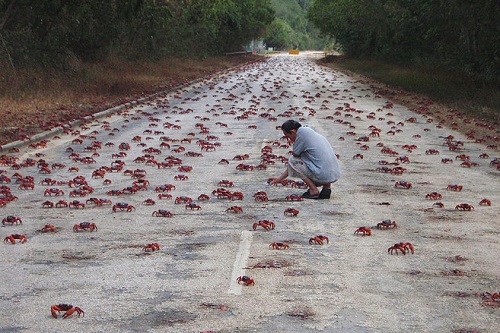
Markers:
point(313, 160)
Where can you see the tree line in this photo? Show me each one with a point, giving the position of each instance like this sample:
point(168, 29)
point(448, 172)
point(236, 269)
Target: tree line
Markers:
point(463, 34)
point(291, 28)
point(52, 32)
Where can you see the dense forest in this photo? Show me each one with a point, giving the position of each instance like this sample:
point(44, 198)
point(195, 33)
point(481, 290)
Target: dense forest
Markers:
point(52, 32)
point(291, 27)
point(464, 35)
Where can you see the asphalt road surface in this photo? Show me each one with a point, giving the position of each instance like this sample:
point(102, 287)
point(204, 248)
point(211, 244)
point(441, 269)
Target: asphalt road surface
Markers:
point(223, 131)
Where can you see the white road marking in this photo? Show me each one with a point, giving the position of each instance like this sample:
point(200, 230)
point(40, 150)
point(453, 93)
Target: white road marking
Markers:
point(240, 262)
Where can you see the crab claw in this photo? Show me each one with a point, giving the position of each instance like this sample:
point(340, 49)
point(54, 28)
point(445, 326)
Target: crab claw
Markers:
point(53, 310)
point(73, 309)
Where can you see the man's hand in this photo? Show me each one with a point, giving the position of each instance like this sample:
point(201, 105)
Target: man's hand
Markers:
point(273, 181)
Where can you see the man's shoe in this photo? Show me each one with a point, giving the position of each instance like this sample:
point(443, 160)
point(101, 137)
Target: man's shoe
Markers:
point(325, 193)
point(308, 195)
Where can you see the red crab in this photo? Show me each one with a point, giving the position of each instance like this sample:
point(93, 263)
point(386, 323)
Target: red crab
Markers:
point(12, 238)
point(53, 191)
point(123, 206)
point(434, 196)
point(208, 147)
point(464, 206)
point(70, 309)
point(44, 170)
point(454, 187)
point(78, 193)
point(403, 184)
point(193, 154)
point(234, 209)
point(47, 181)
point(358, 156)
point(404, 247)
point(58, 166)
point(489, 298)
point(124, 146)
point(203, 197)
point(291, 212)
point(398, 170)
point(261, 198)
point(4, 179)
point(438, 204)
point(241, 157)
point(402, 159)
point(162, 213)
point(246, 280)
point(47, 204)
point(181, 177)
point(244, 167)
point(236, 196)
point(384, 169)
point(98, 173)
point(386, 224)
point(141, 184)
point(114, 192)
point(12, 220)
point(318, 239)
point(183, 199)
point(222, 193)
point(148, 202)
point(165, 188)
point(294, 197)
point(485, 202)
point(130, 190)
point(267, 225)
point(185, 168)
point(279, 246)
point(192, 206)
point(225, 183)
point(61, 203)
point(76, 204)
point(164, 196)
point(151, 247)
point(85, 226)
point(462, 157)
point(364, 231)
point(98, 202)
point(48, 228)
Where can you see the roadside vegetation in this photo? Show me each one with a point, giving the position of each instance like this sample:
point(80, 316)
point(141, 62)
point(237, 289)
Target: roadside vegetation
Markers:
point(38, 100)
point(450, 98)
point(457, 90)
point(460, 35)
point(61, 60)
point(446, 51)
